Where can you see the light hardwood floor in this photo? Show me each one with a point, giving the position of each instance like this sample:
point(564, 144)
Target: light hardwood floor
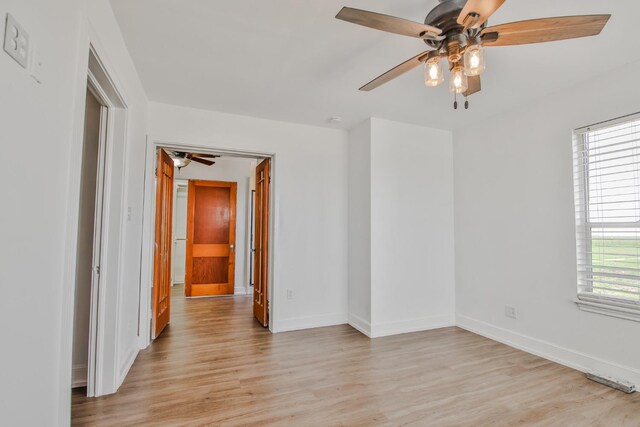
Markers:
point(214, 365)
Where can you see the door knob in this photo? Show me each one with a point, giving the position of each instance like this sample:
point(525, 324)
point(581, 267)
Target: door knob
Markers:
point(232, 246)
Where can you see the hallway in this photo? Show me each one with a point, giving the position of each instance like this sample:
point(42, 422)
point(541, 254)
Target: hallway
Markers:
point(214, 365)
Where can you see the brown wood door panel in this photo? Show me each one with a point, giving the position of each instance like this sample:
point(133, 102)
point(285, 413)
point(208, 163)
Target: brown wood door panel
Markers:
point(211, 234)
point(211, 251)
point(162, 252)
point(261, 244)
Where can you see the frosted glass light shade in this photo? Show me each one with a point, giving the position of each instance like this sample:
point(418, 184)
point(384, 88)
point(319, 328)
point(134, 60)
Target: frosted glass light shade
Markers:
point(180, 162)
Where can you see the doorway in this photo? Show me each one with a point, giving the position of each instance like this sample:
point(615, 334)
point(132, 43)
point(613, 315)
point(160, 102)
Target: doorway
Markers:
point(89, 235)
point(95, 232)
point(217, 249)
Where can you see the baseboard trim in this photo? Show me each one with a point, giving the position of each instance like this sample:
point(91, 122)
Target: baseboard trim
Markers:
point(240, 291)
point(562, 355)
point(361, 325)
point(126, 366)
point(310, 322)
point(411, 325)
point(79, 376)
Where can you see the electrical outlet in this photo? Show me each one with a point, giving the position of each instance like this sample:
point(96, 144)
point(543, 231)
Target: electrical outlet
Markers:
point(16, 41)
point(289, 293)
point(511, 312)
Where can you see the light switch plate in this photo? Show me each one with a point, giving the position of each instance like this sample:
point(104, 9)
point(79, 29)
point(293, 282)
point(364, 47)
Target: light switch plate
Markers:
point(16, 41)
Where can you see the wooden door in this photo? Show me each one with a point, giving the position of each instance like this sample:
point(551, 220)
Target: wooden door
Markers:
point(211, 238)
point(261, 243)
point(162, 252)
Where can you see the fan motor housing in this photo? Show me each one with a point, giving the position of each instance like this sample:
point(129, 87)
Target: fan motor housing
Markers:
point(445, 16)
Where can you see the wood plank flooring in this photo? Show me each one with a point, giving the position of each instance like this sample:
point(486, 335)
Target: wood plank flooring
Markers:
point(214, 365)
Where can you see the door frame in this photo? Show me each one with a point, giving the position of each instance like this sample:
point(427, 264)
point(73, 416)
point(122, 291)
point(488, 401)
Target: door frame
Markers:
point(96, 342)
point(177, 185)
point(105, 374)
point(149, 205)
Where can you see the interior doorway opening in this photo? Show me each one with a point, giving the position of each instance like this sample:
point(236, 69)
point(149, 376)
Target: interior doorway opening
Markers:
point(99, 157)
point(219, 237)
point(89, 235)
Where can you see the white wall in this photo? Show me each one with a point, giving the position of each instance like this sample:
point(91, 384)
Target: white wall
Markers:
point(359, 155)
point(42, 122)
point(310, 176)
point(515, 232)
point(401, 257)
point(412, 255)
point(238, 170)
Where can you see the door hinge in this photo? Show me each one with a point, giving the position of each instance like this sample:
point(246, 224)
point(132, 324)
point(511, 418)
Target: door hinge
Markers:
point(98, 270)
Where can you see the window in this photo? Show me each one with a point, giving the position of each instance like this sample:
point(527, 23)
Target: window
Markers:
point(607, 205)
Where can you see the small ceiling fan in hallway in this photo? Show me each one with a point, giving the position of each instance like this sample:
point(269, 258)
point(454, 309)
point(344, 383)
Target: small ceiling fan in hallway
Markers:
point(183, 158)
point(457, 31)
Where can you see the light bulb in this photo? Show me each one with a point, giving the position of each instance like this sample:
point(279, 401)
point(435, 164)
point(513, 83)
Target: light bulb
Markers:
point(474, 60)
point(458, 83)
point(433, 72)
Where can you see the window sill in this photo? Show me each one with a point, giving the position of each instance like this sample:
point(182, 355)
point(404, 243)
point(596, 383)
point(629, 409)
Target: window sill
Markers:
point(609, 307)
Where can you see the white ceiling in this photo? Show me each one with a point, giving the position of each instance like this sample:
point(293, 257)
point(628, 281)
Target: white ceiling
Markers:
point(290, 60)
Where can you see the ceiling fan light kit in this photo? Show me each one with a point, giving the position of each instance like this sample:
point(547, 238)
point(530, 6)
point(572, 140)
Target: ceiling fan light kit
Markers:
point(180, 162)
point(457, 31)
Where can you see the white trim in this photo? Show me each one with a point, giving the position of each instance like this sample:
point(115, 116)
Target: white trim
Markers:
point(411, 325)
point(607, 123)
point(310, 322)
point(89, 44)
point(562, 355)
point(79, 378)
point(106, 313)
point(628, 310)
point(99, 244)
point(241, 290)
point(126, 366)
point(65, 367)
point(358, 323)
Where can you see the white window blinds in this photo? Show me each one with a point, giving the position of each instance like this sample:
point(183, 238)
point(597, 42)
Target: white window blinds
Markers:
point(607, 205)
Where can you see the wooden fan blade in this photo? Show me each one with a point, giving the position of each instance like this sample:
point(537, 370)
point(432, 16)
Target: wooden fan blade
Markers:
point(208, 156)
point(395, 72)
point(480, 11)
point(474, 85)
point(387, 23)
point(203, 161)
point(544, 30)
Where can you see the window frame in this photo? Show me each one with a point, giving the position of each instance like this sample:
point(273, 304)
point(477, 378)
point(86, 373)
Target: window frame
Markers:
point(587, 300)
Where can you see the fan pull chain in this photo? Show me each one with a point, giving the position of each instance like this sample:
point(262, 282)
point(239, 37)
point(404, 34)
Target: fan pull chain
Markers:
point(455, 101)
point(466, 103)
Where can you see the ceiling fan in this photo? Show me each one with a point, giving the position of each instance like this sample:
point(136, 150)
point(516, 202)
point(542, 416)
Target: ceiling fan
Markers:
point(457, 31)
point(183, 158)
